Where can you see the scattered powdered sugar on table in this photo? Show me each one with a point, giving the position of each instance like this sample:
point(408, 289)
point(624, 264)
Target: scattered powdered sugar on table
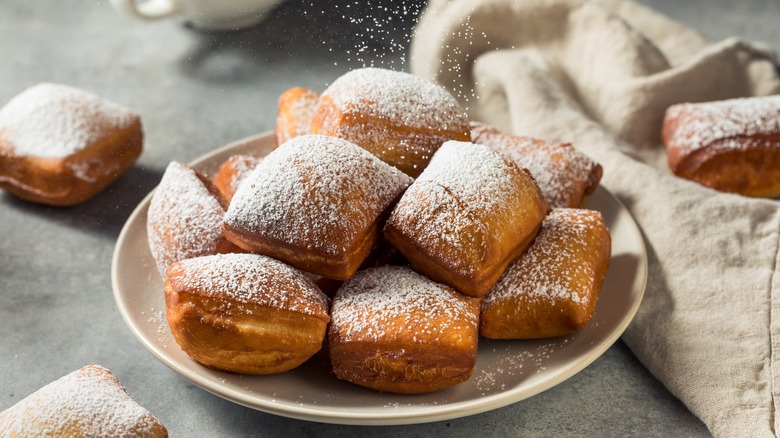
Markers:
point(250, 279)
point(701, 124)
point(315, 191)
point(184, 218)
point(90, 400)
point(52, 120)
point(375, 301)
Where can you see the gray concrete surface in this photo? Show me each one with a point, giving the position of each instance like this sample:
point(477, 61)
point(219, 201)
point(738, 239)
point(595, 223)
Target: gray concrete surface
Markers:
point(197, 91)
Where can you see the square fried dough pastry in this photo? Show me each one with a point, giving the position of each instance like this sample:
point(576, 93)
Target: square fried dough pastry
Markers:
point(232, 173)
point(89, 402)
point(730, 145)
point(60, 145)
point(470, 213)
point(295, 111)
point(316, 203)
point(552, 289)
point(565, 175)
point(185, 218)
point(244, 313)
point(399, 117)
point(395, 330)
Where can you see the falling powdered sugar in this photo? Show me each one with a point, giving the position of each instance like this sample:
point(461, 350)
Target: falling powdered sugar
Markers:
point(52, 120)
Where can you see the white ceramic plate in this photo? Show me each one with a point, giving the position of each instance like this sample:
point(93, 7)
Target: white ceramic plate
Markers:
point(506, 371)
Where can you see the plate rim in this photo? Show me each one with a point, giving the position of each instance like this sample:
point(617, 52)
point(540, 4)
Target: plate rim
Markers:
point(389, 417)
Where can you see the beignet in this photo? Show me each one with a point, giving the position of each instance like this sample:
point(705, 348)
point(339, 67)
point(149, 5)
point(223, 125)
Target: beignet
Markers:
point(89, 402)
point(296, 109)
point(565, 175)
point(61, 146)
point(244, 313)
point(400, 118)
point(185, 218)
point(730, 145)
point(552, 289)
point(232, 173)
point(315, 202)
point(394, 330)
point(469, 214)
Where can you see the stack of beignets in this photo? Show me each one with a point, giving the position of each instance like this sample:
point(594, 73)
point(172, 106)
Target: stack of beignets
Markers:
point(61, 146)
point(244, 313)
point(395, 330)
point(400, 118)
point(89, 402)
point(419, 259)
point(552, 289)
point(317, 203)
point(565, 175)
point(470, 213)
point(185, 218)
point(730, 145)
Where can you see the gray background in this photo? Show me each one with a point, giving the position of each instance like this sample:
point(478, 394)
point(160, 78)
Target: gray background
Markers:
point(197, 91)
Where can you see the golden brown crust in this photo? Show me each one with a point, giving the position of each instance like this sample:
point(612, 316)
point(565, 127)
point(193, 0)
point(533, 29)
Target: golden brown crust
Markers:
point(295, 111)
point(231, 174)
point(398, 117)
point(394, 330)
point(71, 180)
point(466, 217)
point(552, 289)
point(185, 218)
point(316, 203)
point(61, 146)
point(565, 175)
point(89, 402)
point(244, 313)
point(731, 146)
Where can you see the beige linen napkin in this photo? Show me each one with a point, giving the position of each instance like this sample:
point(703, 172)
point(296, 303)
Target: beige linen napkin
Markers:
point(600, 74)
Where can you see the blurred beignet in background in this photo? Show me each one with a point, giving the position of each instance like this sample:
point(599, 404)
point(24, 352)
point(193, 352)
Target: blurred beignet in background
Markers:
point(399, 117)
point(565, 175)
point(244, 313)
point(731, 145)
point(395, 330)
point(185, 218)
point(232, 173)
point(60, 145)
point(295, 110)
point(89, 402)
point(315, 202)
point(552, 289)
point(469, 214)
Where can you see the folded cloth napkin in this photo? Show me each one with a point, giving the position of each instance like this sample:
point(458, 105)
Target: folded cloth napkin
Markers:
point(600, 74)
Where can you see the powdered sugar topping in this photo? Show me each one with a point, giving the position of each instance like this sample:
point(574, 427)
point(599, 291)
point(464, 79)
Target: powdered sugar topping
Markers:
point(400, 98)
point(251, 279)
point(545, 271)
point(701, 124)
point(375, 301)
point(52, 120)
point(315, 192)
point(89, 401)
point(184, 218)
